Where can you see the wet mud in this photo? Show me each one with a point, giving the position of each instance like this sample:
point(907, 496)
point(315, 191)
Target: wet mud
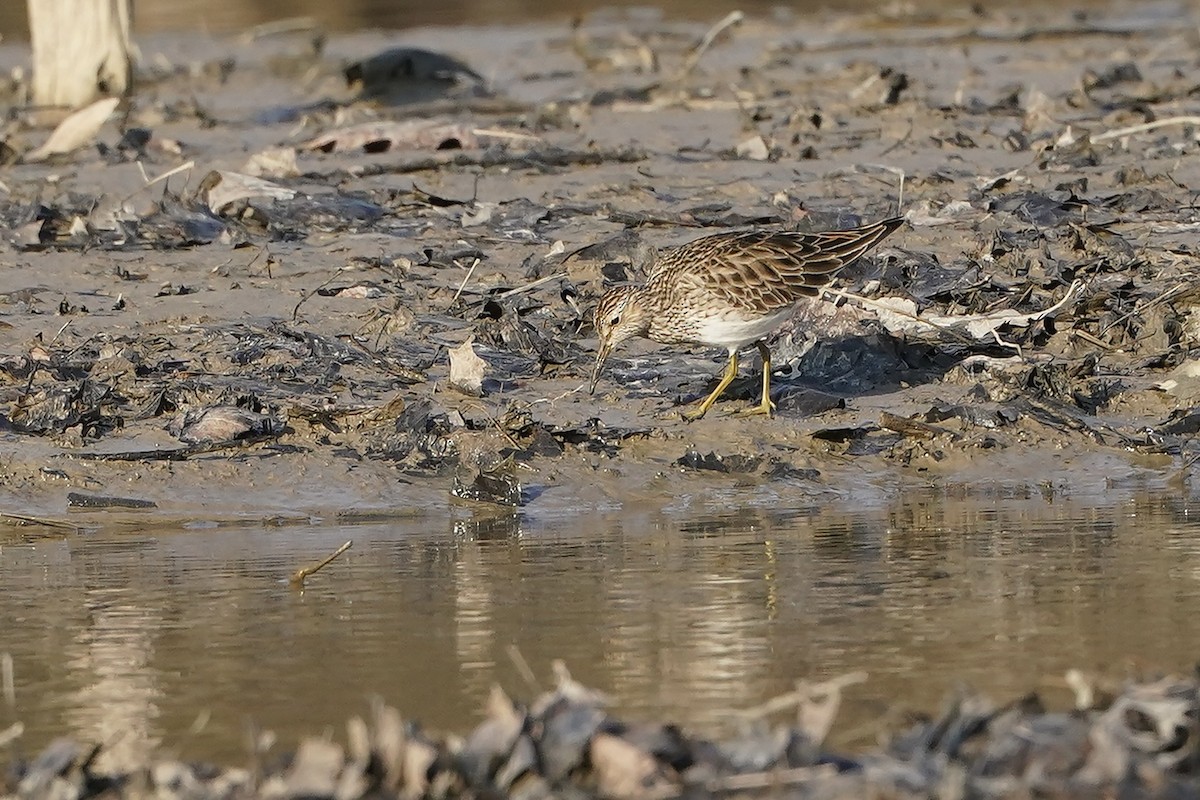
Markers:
point(350, 277)
point(274, 323)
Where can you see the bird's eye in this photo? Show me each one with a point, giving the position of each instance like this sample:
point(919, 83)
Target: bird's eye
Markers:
point(616, 319)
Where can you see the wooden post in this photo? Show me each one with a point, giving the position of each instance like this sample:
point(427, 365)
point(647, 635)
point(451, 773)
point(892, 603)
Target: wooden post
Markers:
point(80, 50)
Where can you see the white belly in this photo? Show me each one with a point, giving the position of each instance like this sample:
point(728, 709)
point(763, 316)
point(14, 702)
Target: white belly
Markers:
point(735, 331)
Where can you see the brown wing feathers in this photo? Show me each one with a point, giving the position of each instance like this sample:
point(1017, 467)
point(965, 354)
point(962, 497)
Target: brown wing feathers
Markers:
point(771, 269)
point(816, 257)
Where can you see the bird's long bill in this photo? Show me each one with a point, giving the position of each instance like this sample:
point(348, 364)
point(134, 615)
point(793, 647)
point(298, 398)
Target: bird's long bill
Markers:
point(601, 357)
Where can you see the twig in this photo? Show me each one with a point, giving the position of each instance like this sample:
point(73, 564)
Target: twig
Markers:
point(8, 679)
point(496, 424)
point(1144, 306)
point(907, 135)
point(1079, 333)
point(54, 338)
point(496, 133)
point(279, 26)
point(523, 668)
point(181, 168)
point(730, 19)
point(303, 300)
point(897, 171)
point(777, 777)
point(792, 699)
point(26, 519)
point(531, 285)
point(297, 579)
point(1130, 130)
point(463, 285)
point(11, 733)
point(912, 427)
point(544, 156)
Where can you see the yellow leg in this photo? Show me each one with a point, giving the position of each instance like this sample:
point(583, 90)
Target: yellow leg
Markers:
point(765, 406)
point(726, 379)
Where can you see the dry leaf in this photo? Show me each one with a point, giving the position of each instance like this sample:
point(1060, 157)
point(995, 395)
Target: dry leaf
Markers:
point(899, 316)
point(362, 291)
point(275, 162)
point(624, 771)
point(466, 369)
point(314, 769)
point(753, 148)
point(413, 134)
point(222, 188)
point(481, 214)
point(76, 130)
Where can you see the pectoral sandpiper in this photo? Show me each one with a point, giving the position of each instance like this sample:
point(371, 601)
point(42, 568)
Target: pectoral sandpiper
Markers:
point(729, 290)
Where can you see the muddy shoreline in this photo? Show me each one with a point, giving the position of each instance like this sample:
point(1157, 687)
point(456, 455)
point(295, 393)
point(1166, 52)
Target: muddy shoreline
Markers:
point(320, 322)
point(237, 305)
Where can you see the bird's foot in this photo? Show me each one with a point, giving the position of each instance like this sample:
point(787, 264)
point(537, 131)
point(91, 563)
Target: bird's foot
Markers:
point(766, 409)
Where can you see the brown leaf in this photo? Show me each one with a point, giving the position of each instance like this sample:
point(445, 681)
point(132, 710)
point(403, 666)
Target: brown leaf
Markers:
point(315, 769)
point(222, 188)
point(625, 772)
point(76, 130)
point(413, 134)
point(466, 369)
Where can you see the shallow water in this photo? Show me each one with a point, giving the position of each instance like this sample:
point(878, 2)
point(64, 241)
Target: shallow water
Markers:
point(130, 637)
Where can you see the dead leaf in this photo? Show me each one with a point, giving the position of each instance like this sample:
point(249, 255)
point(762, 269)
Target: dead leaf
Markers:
point(221, 188)
point(899, 315)
point(753, 148)
point(222, 424)
point(481, 214)
point(624, 771)
point(362, 291)
point(466, 369)
point(76, 130)
point(274, 162)
point(379, 137)
point(314, 769)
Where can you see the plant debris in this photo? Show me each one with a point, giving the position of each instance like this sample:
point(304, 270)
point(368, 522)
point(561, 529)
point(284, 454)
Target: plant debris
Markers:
point(208, 281)
point(1138, 740)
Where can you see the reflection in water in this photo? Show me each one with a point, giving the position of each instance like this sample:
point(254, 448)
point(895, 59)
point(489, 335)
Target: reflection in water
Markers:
point(116, 699)
point(684, 619)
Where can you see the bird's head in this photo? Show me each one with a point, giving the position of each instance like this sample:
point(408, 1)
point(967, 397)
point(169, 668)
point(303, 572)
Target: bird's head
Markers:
point(619, 315)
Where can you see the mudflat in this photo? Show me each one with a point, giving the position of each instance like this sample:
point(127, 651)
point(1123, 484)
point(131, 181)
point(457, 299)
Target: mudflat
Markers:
point(260, 292)
point(1034, 322)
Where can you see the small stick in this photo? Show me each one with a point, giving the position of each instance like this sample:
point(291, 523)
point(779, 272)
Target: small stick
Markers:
point(11, 733)
point(518, 660)
point(1145, 306)
point(909, 427)
point(304, 299)
point(60, 332)
point(496, 133)
point(1079, 333)
point(463, 285)
point(730, 19)
point(1117, 133)
point(29, 519)
point(790, 700)
point(7, 676)
point(297, 579)
point(776, 777)
point(531, 285)
point(148, 183)
point(279, 26)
